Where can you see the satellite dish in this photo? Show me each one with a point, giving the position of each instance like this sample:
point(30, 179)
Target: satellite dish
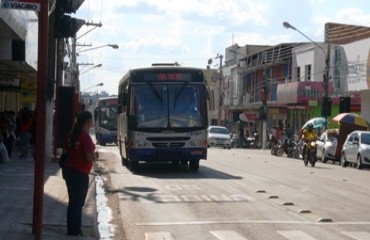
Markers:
point(210, 61)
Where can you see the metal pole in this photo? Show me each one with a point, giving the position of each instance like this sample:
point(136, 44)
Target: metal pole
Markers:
point(42, 71)
point(326, 74)
point(74, 66)
point(219, 92)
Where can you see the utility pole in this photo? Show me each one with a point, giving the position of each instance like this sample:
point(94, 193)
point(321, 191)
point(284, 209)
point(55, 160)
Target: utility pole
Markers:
point(264, 109)
point(74, 66)
point(326, 79)
point(219, 56)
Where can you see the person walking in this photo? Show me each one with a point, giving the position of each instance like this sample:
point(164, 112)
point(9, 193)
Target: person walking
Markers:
point(25, 123)
point(81, 154)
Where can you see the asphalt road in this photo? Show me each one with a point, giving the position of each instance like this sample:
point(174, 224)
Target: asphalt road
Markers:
point(237, 194)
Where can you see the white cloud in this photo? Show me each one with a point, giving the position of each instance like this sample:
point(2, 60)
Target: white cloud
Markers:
point(192, 31)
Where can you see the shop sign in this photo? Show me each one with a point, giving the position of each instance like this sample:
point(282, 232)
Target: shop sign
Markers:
point(32, 5)
point(10, 81)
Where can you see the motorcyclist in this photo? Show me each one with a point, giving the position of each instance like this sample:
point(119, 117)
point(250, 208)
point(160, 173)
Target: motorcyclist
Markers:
point(308, 134)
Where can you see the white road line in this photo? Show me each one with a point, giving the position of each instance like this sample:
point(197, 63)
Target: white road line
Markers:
point(227, 235)
point(358, 235)
point(247, 222)
point(158, 236)
point(296, 235)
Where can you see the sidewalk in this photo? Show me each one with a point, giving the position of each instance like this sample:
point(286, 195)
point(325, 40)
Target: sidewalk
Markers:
point(16, 202)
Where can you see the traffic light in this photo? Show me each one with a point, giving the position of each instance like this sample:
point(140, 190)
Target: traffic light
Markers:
point(64, 25)
point(344, 104)
point(326, 107)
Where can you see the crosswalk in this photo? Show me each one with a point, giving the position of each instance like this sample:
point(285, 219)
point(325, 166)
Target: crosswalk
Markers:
point(232, 235)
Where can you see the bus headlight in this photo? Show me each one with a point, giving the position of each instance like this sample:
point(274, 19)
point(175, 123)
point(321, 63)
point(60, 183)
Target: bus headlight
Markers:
point(193, 144)
point(141, 144)
point(196, 143)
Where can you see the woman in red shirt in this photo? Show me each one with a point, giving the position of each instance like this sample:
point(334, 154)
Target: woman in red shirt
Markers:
point(80, 150)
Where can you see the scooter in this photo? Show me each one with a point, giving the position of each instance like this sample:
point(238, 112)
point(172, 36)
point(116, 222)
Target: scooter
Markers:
point(310, 156)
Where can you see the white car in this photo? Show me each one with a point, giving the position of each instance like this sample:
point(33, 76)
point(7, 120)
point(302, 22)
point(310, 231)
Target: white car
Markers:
point(219, 136)
point(356, 149)
point(326, 147)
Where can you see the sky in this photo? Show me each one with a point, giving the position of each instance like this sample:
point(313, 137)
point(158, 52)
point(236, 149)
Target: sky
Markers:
point(192, 31)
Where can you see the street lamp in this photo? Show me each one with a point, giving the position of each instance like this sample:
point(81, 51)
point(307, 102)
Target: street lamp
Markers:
point(219, 56)
point(95, 66)
point(95, 85)
point(326, 100)
point(114, 46)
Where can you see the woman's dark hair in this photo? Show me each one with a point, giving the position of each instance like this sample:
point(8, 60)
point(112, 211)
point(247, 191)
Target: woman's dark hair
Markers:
point(82, 118)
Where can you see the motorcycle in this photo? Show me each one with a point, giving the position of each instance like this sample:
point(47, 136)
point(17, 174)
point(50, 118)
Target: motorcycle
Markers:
point(253, 142)
point(310, 156)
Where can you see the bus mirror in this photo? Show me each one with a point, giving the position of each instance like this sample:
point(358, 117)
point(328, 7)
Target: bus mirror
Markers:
point(124, 99)
point(119, 108)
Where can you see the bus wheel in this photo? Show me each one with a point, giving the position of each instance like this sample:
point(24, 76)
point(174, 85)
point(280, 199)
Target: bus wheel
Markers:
point(133, 165)
point(194, 165)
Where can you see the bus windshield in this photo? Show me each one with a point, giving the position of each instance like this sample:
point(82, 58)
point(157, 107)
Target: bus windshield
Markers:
point(107, 116)
point(168, 106)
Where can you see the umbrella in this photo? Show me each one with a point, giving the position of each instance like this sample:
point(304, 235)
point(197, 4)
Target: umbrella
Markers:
point(351, 118)
point(317, 122)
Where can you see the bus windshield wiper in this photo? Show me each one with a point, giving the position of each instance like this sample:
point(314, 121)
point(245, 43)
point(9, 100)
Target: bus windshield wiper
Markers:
point(179, 94)
point(155, 91)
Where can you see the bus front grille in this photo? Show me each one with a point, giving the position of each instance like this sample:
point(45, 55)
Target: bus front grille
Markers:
point(168, 144)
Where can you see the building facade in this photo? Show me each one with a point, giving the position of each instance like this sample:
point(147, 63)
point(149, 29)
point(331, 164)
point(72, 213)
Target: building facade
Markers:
point(287, 79)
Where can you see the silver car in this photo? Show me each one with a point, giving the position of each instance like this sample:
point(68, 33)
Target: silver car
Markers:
point(326, 146)
point(219, 136)
point(356, 149)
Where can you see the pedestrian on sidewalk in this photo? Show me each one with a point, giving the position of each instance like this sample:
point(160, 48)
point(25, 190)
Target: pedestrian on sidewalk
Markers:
point(80, 150)
point(4, 157)
point(25, 124)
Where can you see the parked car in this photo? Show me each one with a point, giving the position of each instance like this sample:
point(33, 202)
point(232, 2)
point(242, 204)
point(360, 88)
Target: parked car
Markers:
point(356, 149)
point(326, 145)
point(219, 136)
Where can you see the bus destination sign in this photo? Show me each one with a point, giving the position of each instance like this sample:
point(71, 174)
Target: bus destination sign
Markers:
point(167, 77)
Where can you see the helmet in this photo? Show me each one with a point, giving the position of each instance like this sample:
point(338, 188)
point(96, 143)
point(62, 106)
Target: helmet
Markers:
point(310, 126)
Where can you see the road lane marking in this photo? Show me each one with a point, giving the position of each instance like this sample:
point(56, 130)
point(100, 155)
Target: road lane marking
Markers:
point(247, 222)
point(227, 235)
point(193, 198)
point(358, 235)
point(296, 235)
point(158, 236)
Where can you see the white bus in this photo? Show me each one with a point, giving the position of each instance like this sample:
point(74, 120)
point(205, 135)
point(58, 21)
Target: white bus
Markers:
point(105, 116)
point(162, 116)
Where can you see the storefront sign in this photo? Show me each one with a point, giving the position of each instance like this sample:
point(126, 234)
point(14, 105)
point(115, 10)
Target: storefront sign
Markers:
point(28, 92)
point(10, 81)
point(32, 5)
point(248, 116)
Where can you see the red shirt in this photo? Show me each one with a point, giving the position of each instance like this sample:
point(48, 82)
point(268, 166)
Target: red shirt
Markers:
point(76, 156)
